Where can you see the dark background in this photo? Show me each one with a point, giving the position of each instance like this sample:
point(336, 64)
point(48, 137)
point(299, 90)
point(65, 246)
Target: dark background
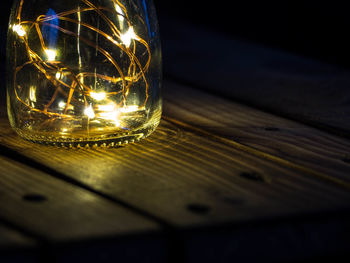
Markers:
point(312, 28)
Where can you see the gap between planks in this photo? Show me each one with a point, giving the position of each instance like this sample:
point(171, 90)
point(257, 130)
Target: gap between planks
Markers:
point(50, 209)
point(16, 156)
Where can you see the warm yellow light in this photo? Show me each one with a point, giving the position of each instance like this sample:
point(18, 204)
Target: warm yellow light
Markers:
point(107, 90)
point(117, 123)
point(19, 30)
point(128, 109)
point(58, 75)
point(118, 9)
point(106, 107)
point(61, 104)
point(51, 54)
point(32, 93)
point(109, 112)
point(120, 14)
point(98, 95)
point(89, 112)
point(111, 116)
point(128, 36)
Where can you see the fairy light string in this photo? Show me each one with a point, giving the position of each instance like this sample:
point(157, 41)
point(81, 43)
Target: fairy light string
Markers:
point(73, 83)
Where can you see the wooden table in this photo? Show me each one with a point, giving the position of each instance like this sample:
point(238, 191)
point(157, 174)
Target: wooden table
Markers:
point(242, 168)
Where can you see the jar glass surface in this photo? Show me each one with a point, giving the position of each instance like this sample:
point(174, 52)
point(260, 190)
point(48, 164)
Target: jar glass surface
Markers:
point(83, 72)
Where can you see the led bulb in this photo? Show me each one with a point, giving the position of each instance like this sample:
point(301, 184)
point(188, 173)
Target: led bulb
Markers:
point(51, 54)
point(19, 30)
point(89, 112)
point(128, 36)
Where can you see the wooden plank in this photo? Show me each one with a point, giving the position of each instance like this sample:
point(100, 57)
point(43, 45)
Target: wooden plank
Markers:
point(187, 179)
point(303, 146)
point(283, 83)
point(54, 210)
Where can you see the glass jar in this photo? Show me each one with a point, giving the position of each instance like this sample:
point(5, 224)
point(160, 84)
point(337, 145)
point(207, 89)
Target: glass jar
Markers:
point(83, 72)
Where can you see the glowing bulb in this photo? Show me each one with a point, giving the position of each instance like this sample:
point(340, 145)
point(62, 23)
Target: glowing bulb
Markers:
point(51, 54)
point(61, 104)
point(89, 112)
point(98, 96)
point(19, 30)
point(126, 38)
point(58, 75)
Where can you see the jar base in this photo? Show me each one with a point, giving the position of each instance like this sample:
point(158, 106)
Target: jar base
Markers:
point(109, 140)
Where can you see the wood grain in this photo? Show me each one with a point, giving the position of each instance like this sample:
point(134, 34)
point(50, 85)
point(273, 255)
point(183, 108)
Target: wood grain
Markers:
point(54, 210)
point(299, 144)
point(187, 179)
